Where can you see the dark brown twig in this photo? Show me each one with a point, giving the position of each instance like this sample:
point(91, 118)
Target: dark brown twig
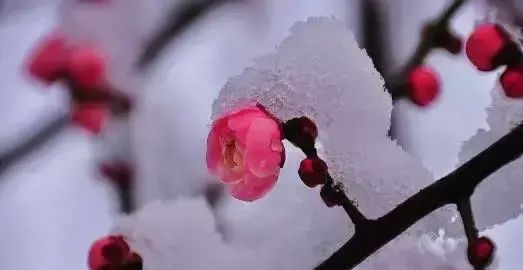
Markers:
point(335, 192)
point(454, 187)
point(302, 133)
point(465, 211)
point(375, 40)
point(34, 142)
point(177, 21)
point(424, 47)
point(471, 232)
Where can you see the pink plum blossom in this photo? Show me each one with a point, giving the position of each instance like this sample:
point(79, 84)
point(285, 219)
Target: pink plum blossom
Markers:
point(245, 151)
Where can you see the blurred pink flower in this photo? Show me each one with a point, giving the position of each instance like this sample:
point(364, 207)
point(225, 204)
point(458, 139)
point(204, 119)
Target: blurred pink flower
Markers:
point(87, 67)
point(90, 116)
point(245, 150)
point(48, 62)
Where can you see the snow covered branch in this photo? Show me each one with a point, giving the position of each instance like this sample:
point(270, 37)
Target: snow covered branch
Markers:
point(451, 189)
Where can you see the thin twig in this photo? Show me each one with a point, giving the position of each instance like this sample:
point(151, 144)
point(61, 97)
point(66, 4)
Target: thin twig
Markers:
point(375, 40)
point(456, 186)
point(424, 47)
point(465, 211)
point(336, 191)
point(34, 142)
point(126, 198)
point(179, 19)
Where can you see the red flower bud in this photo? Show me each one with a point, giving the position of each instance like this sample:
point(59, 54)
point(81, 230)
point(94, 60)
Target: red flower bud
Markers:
point(481, 251)
point(49, 60)
point(109, 252)
point(489, 47)
point(512, 81)
point(87, 67)
point(90, 116)
point(313, 172)
point(424, 85)
point(302, 132)
point(308, 127)
point(135, 262)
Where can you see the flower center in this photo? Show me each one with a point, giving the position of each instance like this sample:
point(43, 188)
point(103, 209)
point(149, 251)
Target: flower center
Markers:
point(232, 156)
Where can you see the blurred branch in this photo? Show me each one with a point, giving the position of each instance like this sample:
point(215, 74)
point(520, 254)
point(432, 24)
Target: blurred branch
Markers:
point(179, 19)
point(454, 188)
point(375, 40)
point(33, 142)
point(424, 47)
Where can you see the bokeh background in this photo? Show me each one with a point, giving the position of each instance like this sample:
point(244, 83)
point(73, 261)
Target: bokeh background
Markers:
point(53, 202)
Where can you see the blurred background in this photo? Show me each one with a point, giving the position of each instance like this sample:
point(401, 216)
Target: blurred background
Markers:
point(54, 201)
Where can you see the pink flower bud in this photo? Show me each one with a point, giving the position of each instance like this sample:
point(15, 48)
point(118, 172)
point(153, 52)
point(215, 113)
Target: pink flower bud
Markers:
point(109, 252)
point(424, 85)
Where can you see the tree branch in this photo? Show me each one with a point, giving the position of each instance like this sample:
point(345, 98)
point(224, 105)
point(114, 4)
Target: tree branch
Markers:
point(375, 40)
point(465, 211)
point(335, 192)
point(452, 188)
point(177, 21)
point(34, 142)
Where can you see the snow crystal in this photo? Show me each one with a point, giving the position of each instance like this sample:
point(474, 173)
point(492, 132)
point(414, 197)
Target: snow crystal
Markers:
point(498, 198)
point(320, 72)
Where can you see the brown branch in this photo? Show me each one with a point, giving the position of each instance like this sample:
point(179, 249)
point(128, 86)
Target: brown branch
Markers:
point(471, 232)
point(424, 47)
point(453, 188)
point(335, 192)
point(465, 211)
point(375, 40)
point(33, 142)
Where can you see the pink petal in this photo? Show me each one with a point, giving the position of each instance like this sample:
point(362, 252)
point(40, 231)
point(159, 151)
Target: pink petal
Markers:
point(252, 187)
point(90, 116)
point(87, 67)
point(214, 157)
point(263, 148)
point(214, 150)
point(240, 121)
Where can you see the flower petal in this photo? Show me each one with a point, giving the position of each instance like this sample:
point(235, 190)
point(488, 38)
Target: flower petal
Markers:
point(214, 152)
point(252, 187)
point(263, 149)
point(240, 121)
point(214, 156)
